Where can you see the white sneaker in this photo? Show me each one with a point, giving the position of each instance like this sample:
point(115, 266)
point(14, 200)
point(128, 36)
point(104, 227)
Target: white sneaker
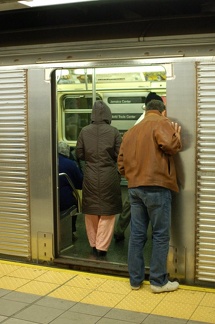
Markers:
point(135, 287)
point(169, 286)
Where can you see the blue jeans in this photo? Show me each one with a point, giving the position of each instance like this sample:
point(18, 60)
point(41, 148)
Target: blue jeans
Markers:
point(149, 204)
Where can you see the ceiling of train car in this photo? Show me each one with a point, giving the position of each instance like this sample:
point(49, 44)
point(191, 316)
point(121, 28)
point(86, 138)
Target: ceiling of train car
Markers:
point(103, 19)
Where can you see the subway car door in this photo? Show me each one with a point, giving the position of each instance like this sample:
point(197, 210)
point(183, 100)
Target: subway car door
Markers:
point(124, 90)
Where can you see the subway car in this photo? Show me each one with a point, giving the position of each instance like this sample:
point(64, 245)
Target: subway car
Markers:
point(47, 95)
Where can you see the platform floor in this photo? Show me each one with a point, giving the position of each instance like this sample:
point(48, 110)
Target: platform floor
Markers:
point(31, 294)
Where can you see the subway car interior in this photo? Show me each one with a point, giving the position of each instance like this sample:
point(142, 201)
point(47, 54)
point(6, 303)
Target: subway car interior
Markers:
point(124, 90)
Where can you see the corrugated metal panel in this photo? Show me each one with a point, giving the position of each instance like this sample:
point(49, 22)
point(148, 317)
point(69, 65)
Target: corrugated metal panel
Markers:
point(205, 248)
point(14, 202)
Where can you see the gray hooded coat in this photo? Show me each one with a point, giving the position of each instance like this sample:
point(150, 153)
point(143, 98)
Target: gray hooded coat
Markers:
point(98, 145)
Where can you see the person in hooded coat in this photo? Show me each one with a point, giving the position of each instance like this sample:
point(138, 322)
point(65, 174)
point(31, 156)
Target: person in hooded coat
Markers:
point(98, 145)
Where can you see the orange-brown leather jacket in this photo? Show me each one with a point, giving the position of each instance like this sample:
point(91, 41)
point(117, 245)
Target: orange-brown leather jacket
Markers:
point(146, 153)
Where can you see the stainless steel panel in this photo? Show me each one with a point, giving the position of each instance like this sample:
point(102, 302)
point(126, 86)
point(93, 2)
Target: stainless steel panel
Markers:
point(181, 107)
point(40, 158)
point(205, 236)
point(175, 46)
point(14, 186)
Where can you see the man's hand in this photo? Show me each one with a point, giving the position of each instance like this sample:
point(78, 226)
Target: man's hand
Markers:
point(177, 130)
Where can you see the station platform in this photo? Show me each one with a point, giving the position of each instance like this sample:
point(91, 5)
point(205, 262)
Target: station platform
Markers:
point(32, 294)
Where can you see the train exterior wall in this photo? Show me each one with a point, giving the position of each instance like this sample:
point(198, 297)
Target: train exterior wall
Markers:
point(181, 107)
point(40, 166)
point(14, 162)
point(39, 163)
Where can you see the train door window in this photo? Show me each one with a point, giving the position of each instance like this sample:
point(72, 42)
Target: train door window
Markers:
point(74, 103)
point(76, 114)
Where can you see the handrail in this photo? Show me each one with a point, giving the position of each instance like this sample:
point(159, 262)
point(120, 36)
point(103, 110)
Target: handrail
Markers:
point(75, 191)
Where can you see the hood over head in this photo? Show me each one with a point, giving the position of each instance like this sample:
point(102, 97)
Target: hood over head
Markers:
point(101, 113)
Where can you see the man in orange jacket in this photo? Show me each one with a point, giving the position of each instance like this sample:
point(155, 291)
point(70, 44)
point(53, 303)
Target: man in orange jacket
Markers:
point(125, 216)
point(146, 160)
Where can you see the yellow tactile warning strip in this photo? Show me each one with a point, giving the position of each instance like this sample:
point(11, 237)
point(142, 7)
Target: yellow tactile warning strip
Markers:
point(190, 303)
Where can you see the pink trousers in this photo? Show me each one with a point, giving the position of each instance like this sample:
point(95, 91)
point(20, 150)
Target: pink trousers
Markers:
point(99, 230)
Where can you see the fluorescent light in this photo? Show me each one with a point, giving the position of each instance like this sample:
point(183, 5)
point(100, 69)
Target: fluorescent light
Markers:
point(114, 70)
point(40, 3)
